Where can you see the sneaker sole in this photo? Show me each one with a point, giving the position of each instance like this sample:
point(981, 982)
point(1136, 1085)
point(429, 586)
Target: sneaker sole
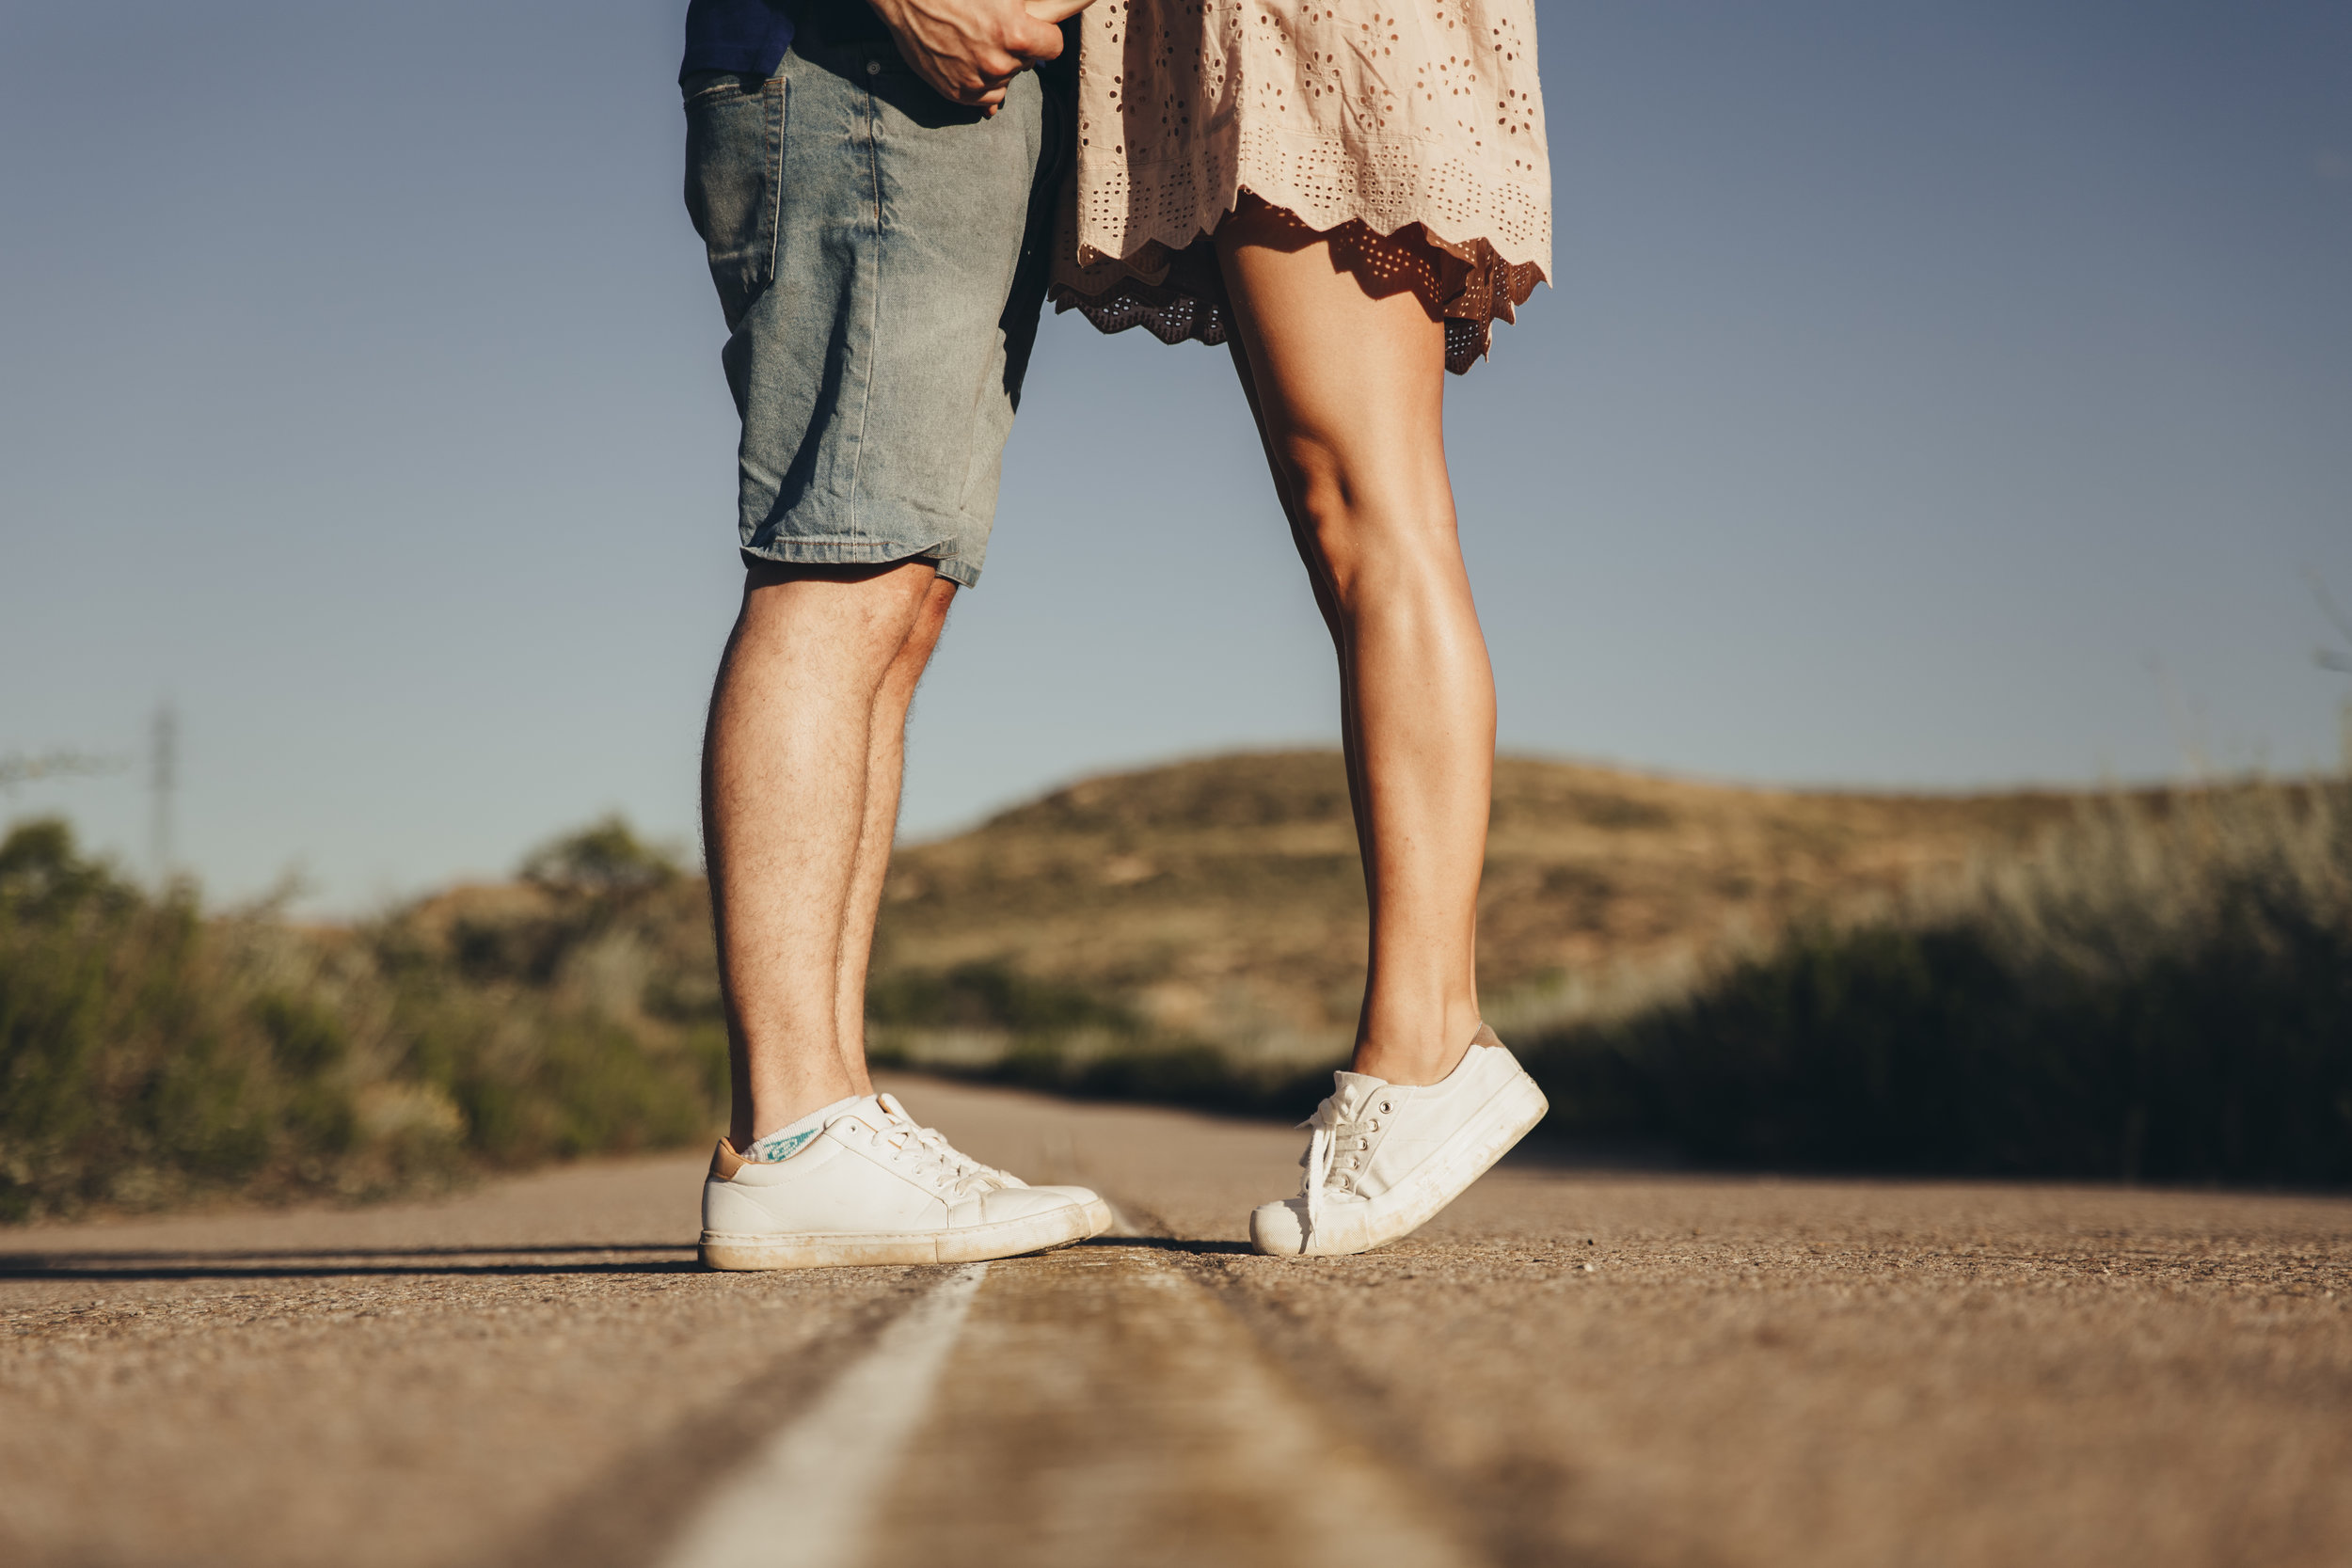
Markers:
point(975, 1243)
point(1461, 1160)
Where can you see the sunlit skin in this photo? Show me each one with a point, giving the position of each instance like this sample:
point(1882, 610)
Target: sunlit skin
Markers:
point(806, 745)
point(1349, 392)
point(801, 767)
point(806, 750)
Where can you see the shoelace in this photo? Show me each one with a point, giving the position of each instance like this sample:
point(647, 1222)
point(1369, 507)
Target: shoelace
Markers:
point(927, 1160)
point(936, 1143)
point(1323, 1148)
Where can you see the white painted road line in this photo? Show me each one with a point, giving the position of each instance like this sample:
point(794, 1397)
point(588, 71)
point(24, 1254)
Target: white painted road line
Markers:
point(805, 1498)
point(1102, 1407)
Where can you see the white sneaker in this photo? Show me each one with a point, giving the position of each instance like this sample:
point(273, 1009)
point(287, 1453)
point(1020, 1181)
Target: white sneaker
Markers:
point(1384, 1158)
point(873, 1188)
point(1098, 1211)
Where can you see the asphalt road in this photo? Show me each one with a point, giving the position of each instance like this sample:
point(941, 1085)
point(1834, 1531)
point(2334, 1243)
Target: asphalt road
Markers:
point(1571, 1366)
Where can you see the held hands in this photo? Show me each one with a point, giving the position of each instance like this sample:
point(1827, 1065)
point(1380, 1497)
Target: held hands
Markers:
point(969, 48)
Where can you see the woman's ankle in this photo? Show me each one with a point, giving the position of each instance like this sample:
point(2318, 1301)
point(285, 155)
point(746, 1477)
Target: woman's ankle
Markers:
point(1418, 1055)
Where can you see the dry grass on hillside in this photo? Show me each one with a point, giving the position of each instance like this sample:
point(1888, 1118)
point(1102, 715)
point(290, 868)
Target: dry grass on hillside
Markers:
point(1222, 900)
point(2031, 983)
point(2159, 991)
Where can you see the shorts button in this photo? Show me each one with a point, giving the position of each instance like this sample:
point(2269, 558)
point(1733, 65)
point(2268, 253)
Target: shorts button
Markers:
point(873, 68)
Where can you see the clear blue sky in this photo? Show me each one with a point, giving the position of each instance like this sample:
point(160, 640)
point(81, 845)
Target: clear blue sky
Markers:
point(1932, 395)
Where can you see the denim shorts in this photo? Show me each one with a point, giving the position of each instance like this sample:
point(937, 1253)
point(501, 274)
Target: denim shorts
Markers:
point(881, 256)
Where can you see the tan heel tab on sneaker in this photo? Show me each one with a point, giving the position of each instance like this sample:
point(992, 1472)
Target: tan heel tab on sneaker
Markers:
point(725, 1161)
point(1486, 1036)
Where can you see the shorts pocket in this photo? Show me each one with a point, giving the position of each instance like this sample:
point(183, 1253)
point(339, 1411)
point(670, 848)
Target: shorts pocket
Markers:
point(734, 180)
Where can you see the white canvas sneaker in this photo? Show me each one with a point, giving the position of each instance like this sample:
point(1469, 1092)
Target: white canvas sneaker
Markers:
point(1098, 1211)
point(873, 1188)
point(1384, 1158)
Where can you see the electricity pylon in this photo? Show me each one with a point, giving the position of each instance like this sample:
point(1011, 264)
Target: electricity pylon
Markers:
point(162, 777)
point(2338, 660)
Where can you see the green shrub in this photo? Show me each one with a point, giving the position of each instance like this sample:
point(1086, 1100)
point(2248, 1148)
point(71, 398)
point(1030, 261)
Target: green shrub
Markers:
point(150, 1055)
point(990, 994)
point(2156, 994)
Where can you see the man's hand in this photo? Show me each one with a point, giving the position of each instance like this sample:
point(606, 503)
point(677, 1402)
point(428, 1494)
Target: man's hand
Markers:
point(1055, 11)
point(969, 48)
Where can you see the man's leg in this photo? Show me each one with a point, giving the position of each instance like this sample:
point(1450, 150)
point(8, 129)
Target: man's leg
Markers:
point(885, 771)
point(811, 695)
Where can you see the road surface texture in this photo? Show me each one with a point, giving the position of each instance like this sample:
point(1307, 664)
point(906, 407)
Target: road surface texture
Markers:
point(1571, 1366)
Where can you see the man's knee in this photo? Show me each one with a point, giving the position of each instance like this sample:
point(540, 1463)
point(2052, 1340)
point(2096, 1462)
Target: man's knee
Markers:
point(861, 614)
point(922, 632)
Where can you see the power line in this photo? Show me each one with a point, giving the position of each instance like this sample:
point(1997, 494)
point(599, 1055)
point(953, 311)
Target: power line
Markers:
point(19, 768)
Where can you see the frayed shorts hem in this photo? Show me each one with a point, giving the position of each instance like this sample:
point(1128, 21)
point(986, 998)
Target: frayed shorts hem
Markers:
point(861, 552)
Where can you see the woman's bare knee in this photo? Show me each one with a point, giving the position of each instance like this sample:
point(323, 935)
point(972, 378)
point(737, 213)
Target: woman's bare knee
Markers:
point(1368, 536)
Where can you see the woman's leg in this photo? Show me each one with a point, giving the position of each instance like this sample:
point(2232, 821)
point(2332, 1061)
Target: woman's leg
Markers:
point(1346, 372)
point(1325, 602)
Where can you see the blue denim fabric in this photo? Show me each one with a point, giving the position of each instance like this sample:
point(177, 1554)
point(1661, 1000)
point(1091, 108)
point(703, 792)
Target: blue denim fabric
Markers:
point(881, 257)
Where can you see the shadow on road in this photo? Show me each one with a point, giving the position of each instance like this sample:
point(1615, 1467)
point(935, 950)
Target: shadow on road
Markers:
point(1168, 1243)
point(339, 1263)
point(1601, 1156)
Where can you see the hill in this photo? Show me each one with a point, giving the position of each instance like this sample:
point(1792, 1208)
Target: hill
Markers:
point(1221, 898)
point(2155, 986)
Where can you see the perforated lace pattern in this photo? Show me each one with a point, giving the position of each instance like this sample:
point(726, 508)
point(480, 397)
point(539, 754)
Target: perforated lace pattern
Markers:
point(1180, 296)
point(1346, 114)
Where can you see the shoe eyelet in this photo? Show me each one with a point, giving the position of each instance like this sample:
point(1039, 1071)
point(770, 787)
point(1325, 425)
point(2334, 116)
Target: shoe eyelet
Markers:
point(1384, 1107)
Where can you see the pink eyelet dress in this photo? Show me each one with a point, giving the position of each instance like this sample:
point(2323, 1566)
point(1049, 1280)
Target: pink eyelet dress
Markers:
point(1364, 116)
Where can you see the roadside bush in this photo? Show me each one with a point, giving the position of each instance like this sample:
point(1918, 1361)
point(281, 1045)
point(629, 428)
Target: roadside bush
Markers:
point(2161, 994)
point(152, 1056)
point(990, 995)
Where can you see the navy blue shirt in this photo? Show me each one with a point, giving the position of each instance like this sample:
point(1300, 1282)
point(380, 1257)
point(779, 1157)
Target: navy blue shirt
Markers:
point(746, 36)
